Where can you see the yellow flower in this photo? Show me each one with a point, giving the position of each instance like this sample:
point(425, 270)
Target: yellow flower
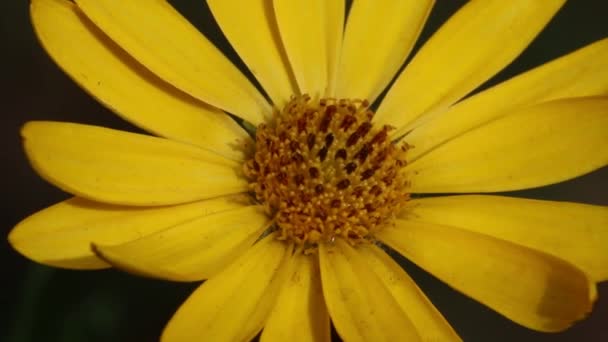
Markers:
point(291, 228)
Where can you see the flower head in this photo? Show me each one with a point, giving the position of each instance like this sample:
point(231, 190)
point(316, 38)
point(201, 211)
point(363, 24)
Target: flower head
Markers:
point(324, 172)
point(291, 226)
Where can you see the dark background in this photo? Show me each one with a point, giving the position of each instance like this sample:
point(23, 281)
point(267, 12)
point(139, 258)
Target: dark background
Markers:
point(41, 303)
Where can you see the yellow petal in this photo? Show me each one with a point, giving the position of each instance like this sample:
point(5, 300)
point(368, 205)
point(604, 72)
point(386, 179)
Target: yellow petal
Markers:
point(123, 85)
point(581, 73)
point(538, 145)
point(360, 306)
point(531, 288)
point(233, 305)
point(574, 232)
point(166, 43)
point(299, 314)
point(429, 323)
point(309, 34)
point(378, 38)
point(191, 251)
point(334, 33)
point(473, 45)
point(61, 235)
point(262, 52)
point(126, 168)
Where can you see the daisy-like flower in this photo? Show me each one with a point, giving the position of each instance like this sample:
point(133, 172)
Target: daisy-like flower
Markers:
point(290, 228)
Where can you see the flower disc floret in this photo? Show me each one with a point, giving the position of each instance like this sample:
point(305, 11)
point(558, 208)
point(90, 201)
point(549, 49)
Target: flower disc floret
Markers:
point(323, 171)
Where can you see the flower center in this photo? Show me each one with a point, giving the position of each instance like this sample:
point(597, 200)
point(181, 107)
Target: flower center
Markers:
point(323, 171)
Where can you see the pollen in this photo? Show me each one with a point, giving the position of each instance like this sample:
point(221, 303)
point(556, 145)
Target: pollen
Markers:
point(323, 171)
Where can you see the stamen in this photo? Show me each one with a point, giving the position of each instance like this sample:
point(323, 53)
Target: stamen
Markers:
point(297, 158)
point(329, 139)
point(350, 167)
point(310, 141)
point(329, 113)
point(367, 174)
point(341, 154)
point(299, 179)
point(314, 172)
point(319, 189)
point(347, 122)
point(343, 184)
point(323, 153)
point(363, 153)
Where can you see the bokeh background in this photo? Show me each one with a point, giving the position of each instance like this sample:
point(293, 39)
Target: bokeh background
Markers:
point(38, 303)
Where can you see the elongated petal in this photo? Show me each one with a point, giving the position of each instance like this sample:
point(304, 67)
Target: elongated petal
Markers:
point(233, 305)
point(300, 313)
point(61, 235)
point(360, 306)
point(574, 232)
point(531, 288)
point(123, 85)
point(194, 250)
point(263, 51)
point(539, 145)
point(309, 35)
point(334, 34)
point(162, 40)
point(378, 38)
point(429, 323)
point(126, 168)
point(473, 45)
point(581, 73)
